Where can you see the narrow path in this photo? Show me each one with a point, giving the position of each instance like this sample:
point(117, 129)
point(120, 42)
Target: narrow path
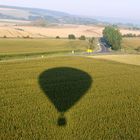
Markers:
point(104, 47)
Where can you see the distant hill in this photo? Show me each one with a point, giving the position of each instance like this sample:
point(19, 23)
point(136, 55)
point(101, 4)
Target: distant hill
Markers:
point(32, 14)
point(51, 17)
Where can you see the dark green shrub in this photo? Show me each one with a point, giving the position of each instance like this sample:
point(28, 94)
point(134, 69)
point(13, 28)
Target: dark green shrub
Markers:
point(57, 37)
point(138, 49)
point(82, 37)
point(71, 36)
point(26, 36)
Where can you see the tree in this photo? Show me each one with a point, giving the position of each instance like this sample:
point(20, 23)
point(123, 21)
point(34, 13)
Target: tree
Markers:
point(91, 40)
point(91, 43)
point(138, 49)
point(71, 36)
point(82, 37)
point(113, 37)
point(130, 35)
point(4, 36)
point(57, 37)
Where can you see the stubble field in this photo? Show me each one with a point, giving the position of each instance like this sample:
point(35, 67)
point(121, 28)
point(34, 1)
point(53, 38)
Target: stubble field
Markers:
point(131, 44)
point(9, 30)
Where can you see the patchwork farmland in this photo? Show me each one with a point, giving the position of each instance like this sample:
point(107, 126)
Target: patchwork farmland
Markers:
point(66, 77)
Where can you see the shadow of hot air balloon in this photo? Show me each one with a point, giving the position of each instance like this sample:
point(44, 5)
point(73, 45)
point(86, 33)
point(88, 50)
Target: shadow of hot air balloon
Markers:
point(64, 86)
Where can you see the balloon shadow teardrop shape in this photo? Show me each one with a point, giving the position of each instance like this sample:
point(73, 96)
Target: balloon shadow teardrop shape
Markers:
point(64, 86)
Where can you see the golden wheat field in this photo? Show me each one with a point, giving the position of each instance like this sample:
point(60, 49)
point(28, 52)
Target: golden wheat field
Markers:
point(61, 30)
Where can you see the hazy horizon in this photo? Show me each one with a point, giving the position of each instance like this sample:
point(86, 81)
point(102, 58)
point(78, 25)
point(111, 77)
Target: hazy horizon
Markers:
point(120, 11)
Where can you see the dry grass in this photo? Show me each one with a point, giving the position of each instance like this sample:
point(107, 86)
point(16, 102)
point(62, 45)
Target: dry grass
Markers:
point(128, 59)
point(131, 45)
point(131, 42)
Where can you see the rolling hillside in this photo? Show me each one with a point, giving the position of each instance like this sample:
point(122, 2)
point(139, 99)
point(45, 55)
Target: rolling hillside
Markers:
point(31, 14)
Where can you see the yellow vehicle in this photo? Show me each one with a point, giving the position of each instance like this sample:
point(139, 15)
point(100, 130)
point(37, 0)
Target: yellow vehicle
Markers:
point(89, 51)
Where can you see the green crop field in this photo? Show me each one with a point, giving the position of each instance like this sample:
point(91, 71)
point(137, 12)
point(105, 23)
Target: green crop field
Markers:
point(27, 47)
point(17, 46)
point(131, 44)
point(69, 98)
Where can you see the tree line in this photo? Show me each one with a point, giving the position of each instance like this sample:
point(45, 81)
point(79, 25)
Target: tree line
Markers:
point(72, 36)
point(131, 35)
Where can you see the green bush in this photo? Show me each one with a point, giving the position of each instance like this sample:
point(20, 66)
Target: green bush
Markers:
point(91, 43)
point(82, 37)
point(26, 36)
point(71, 36)
point(57, 37)
point(138, 49)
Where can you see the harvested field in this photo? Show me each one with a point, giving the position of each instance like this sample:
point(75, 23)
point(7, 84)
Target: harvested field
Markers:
point(128, 59)
point(62, 31)
point(131, 45)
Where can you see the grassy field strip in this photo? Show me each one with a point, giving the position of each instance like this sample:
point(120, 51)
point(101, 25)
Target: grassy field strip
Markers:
point(28, 56)
point(128, 59)
point(25, 48)
point(20, 46)
point(37, 57)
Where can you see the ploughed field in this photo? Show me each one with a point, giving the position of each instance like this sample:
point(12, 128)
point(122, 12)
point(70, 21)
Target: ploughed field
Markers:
point(69, 98)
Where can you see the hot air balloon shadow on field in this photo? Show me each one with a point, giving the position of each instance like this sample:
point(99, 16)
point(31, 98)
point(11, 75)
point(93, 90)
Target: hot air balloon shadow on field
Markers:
point(64, 86)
